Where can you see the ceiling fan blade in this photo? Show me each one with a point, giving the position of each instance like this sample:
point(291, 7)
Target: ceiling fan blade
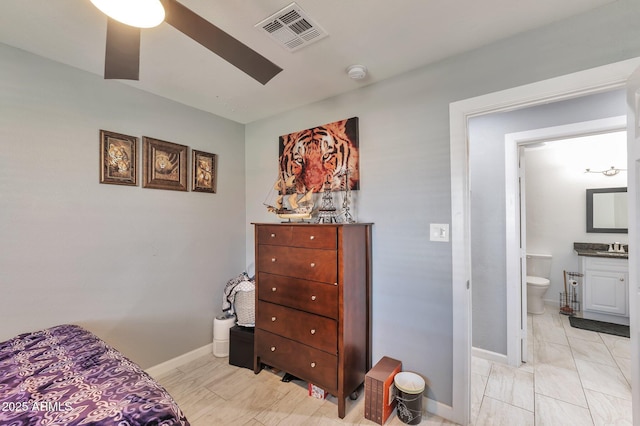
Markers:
point(122, 57)
point(219, 42)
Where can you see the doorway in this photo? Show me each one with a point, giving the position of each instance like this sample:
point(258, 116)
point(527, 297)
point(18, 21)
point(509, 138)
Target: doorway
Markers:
point(570, 86)
point(497, 252)
point(563, 153)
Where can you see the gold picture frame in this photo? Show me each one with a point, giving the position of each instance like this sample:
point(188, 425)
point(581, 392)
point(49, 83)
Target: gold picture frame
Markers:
point(164, 165)
point(118, 154)
point(203, 171)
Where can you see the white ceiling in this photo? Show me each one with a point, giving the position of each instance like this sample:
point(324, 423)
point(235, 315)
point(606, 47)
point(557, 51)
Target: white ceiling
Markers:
point(388, 37)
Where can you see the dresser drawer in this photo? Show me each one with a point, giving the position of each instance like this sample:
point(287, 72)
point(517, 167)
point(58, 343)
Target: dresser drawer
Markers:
point(274, 234)
point(311, 296)
point(303, 361)
point(310, 329)
point(310, 264)
point(309, 236)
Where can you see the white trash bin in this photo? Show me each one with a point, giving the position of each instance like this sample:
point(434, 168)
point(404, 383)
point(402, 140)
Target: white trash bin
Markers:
point(221, 326)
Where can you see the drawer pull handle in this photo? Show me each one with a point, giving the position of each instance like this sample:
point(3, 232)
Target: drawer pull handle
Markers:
point(313, 365)
point(273, 319)
point(335, 283)
point(313, 265)
point(313, 297)
point(273, 289)
point(312, 237)
point(273, 235)
point(273, 259)
point(273, 348)
point(621, 279)
point(313, 331)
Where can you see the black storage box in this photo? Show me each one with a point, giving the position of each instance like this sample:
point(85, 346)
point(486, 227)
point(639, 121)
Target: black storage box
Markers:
point(241, 346)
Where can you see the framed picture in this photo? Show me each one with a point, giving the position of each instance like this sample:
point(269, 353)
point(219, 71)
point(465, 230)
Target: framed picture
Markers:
point(329, 154)
point(203, 171)
point(118, 155)
point(164, 165)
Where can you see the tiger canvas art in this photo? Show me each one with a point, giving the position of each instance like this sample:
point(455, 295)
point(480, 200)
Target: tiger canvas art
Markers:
point(321, 157)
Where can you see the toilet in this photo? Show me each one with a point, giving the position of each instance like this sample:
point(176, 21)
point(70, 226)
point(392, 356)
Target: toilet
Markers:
point(538, 273)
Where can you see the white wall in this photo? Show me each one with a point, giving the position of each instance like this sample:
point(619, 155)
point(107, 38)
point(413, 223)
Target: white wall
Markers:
point(142, 268)
point(405, 172)
point(556, 197)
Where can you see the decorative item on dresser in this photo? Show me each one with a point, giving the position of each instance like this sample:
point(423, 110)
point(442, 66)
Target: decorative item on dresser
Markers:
point(313, 310)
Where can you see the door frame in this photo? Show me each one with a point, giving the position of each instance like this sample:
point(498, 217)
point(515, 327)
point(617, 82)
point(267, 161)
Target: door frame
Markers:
point(600, 79)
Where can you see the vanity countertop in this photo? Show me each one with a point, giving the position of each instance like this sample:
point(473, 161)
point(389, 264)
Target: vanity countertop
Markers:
point(599, 250)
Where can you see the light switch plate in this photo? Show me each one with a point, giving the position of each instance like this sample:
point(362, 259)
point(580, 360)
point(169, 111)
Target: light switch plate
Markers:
point(439, 232)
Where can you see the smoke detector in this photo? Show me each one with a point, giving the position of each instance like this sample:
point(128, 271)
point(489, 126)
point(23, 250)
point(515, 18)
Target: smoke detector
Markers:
point(357, 72)
point(292, 28)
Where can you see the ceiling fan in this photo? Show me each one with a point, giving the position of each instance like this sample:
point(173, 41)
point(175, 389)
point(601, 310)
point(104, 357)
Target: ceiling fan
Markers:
point(122, 58)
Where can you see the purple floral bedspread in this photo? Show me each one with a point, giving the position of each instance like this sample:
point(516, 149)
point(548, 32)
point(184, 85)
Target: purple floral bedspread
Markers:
point(66, 376)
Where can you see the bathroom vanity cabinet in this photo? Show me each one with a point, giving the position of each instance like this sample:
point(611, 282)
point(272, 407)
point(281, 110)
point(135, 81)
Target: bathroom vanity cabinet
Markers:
point(605, 289)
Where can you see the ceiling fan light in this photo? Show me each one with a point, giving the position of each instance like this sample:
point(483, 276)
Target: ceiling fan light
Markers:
point(136, 13)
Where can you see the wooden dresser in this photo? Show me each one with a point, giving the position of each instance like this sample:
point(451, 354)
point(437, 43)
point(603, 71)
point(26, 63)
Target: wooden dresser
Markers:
point(313, 310)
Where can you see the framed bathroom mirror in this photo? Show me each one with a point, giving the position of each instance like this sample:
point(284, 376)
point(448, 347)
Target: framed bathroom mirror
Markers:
point(607, 210)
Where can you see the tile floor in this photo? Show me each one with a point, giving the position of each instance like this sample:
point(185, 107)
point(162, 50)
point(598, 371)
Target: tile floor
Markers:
point(212, 393)
point(573, 377)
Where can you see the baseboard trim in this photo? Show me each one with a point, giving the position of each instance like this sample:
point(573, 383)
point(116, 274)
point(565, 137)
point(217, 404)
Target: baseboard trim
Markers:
point(165, 367)
point(489, 355)
point(439, 409)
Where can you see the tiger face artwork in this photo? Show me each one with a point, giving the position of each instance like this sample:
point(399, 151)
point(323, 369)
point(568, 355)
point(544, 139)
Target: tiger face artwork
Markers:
point(321, 157)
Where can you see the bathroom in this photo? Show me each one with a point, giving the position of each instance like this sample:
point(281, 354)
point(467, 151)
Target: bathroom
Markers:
point(555, 184)
point(493, 228)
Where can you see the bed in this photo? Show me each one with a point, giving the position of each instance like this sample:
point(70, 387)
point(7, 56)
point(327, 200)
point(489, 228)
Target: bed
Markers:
point(67, 376)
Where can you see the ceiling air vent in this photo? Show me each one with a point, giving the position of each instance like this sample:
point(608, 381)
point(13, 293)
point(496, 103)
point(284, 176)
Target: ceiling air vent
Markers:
point(292, 28)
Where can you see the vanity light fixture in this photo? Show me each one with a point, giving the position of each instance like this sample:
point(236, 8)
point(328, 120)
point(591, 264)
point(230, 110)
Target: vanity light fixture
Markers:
point(609, 172)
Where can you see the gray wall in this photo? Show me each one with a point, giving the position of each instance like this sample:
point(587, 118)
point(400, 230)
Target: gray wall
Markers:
point(405, 172)
point(142, 268)
point(148, 278)
point(487, 177)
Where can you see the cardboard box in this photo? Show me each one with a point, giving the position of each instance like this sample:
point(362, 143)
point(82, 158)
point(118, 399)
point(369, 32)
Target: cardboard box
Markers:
point(317, 392)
